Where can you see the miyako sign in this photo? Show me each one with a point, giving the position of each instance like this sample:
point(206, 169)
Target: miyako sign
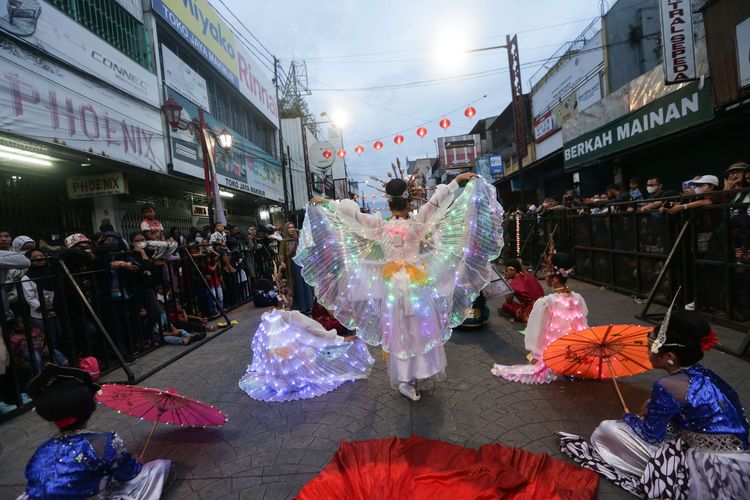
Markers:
point(203, 28)
point(90, 186)
point(60, 36)
point(676, 111)
point(677, 39)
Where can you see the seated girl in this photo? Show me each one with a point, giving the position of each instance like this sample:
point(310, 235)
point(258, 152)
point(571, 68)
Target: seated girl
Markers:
point(78, 463)
point(691, 438)
point(553, 316)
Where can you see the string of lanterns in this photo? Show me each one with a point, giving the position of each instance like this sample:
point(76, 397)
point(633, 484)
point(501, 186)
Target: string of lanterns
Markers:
point(399, 139)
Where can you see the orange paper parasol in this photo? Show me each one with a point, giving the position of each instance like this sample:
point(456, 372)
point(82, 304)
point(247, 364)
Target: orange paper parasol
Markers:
point(601, 351)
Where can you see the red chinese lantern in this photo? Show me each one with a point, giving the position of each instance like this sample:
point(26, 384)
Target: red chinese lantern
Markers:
point(341, 153)
point(398, 139)
point(364, 196)
point(355, 196)
point(421, 131)
point(470, 112)
point(326, 154)
point(378, 145)
point(359, 150)
point(445, 123)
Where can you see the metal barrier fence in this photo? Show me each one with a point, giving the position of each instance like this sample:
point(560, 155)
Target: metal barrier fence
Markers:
point(68, 307)
point(626, 251)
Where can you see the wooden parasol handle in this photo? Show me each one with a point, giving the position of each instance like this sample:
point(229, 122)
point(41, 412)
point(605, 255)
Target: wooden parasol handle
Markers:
point(148, 439)
point(617, 388)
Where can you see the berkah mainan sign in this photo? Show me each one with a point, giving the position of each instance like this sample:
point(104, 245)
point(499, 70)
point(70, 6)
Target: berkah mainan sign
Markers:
point(677, 39)
point(676, 111)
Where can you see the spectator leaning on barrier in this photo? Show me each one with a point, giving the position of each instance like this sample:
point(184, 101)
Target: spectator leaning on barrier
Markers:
point(655, 190)
point(51, 242)
point(635, 189)
point(703, 186)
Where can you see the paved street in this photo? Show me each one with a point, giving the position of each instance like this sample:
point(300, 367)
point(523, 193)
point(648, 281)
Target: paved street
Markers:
point(271, 450)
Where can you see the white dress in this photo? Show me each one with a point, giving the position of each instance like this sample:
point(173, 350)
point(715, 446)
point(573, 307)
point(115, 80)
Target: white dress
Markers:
point(553, 316)
point(404, 283)
point(294, 357)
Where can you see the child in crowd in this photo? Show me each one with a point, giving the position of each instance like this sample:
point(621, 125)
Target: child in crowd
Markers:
point(150, 223)
point(189, 322)
point(219, 241)
point(78, 463)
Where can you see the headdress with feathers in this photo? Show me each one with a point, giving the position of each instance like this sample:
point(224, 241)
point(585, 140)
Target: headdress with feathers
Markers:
point(414, 193)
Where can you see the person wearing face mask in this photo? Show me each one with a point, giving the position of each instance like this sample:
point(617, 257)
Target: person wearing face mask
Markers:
point(703, 186)
point(734, 178)
point(141, 284)
point(655, 190)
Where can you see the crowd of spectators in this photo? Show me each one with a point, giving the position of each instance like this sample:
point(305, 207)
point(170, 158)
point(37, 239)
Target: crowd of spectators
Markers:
point(146, 289)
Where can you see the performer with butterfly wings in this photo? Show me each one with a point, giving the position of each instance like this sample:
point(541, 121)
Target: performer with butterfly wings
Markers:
point(406, 282)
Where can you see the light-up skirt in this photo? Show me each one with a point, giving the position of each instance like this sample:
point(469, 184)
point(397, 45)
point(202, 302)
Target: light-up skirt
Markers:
point(294, 357)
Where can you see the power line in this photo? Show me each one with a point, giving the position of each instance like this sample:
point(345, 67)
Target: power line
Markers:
point(468, 76)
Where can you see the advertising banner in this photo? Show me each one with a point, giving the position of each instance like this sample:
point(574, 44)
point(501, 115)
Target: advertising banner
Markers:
point(743, 52)
point(590, 92)
point(90, 186)
point(676, 111)
point(51, 104)
point(496, 165)
point(204, 29)
point(60, 36)
point(183, 79)
point(566, 75)
point(677, 40)
point(245, 168)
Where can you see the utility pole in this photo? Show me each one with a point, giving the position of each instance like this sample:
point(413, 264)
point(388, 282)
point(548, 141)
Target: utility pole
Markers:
point(281, 137)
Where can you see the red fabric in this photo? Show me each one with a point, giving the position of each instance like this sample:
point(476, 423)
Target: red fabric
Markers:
point(526, 288)
point(423, 469)
point(322, 316)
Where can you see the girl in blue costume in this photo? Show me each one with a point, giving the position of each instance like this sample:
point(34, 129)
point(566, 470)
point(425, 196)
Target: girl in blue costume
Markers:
point(79, 463)
point(691, 440)
point(404, 283)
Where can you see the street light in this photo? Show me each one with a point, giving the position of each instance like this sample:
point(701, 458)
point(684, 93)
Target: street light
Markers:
point(173, 113)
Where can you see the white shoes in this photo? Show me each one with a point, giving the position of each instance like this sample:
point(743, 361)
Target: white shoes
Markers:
point(409, 391)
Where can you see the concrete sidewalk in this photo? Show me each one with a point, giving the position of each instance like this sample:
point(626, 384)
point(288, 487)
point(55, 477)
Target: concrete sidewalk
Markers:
point(271, 450)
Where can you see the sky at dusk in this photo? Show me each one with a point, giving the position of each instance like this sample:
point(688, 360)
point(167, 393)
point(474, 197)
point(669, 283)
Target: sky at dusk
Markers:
point(417, 46)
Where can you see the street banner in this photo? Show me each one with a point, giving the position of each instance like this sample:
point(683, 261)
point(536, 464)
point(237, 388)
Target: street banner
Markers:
point(743, 52)
point(544, 126)
point(183, 79)
point(678, 110)
point(90, 186)
point(677, 40)
point(589, 93)
point(245, 167)
point(60, 36)
point(204, 29)
point(46, 102)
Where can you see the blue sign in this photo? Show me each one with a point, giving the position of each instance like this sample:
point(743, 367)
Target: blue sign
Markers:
point(496, 165)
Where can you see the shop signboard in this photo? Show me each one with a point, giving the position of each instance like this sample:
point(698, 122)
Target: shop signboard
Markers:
point(496, 165)
point(184, 79)
point(683, 108)
point(544, 126)
point(60, 36)
point(677, 41)
point(244, 168)
point(91, 186)
point(204, 29)
point(743, 52)
point(46, 102)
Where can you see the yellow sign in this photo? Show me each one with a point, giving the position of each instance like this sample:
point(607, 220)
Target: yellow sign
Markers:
point(203, 28)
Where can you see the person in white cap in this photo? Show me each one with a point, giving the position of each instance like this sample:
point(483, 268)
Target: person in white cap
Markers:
point(702, 186)
point(22, 244)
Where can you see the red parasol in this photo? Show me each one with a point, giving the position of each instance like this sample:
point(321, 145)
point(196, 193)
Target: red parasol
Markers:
point(159, 406)
point(602, 351)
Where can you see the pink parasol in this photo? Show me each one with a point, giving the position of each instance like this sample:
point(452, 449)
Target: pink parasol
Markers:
point(159, 406)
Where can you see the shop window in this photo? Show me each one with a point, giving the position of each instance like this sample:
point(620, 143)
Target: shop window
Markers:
point(110, 21)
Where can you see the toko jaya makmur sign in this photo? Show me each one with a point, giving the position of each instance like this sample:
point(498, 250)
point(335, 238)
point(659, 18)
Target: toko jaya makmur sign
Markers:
point(204, 29)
